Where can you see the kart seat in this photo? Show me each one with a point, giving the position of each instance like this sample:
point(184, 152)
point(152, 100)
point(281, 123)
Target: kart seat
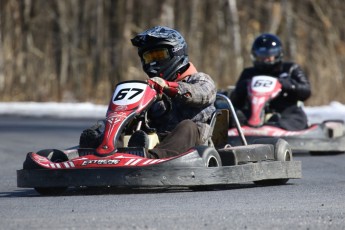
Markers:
point(219, 123)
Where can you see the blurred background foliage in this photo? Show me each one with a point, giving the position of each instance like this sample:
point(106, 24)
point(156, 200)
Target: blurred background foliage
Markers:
point(78, 50)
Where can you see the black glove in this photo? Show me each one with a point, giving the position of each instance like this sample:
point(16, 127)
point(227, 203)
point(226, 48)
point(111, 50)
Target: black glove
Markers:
point(157, 110)
point(286, 83)
point(160, 108)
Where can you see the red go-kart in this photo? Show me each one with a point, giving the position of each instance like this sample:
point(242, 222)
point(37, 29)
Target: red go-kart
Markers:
point(327, 137)
point(114, 164)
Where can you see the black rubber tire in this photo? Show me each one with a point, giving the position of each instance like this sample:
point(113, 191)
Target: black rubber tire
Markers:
point(325, 153)
point(282, 152)
point(210, 156)
point(54, 155)
point(54, 191)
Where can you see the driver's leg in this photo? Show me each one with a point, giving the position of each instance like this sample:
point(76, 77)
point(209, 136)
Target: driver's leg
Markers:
point(183, 137)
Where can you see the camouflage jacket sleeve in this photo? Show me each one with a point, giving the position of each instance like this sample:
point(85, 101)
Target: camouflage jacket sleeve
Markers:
point(197, 90)
point(198, 93)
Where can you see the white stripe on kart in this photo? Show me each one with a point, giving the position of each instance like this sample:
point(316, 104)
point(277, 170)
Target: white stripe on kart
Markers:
point(136, 162)
point(148, 161)
point(154, 161)
point(130, 161)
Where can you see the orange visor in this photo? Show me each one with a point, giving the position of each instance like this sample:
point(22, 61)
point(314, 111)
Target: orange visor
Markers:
point(156, 55)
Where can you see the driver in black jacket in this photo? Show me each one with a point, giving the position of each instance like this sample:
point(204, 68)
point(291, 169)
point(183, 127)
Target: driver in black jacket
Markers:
point(267, 56)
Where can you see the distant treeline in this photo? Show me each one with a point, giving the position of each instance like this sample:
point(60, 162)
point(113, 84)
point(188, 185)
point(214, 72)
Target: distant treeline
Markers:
point(78, 50)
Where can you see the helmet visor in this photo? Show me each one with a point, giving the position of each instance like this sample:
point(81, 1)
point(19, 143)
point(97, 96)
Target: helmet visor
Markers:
point(156, 55)
point(265, 59)
point(267, 55)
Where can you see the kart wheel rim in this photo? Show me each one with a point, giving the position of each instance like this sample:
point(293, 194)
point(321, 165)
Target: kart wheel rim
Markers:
point(212, 162)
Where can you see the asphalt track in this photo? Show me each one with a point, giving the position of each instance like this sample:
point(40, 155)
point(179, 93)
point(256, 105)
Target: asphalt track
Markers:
point(316, 201)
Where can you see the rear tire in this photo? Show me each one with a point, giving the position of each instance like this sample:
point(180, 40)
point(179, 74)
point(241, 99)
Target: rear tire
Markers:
point(325, 153)
point(282, 152)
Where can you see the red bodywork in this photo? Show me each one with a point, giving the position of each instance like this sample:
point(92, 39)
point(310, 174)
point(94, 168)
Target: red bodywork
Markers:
point(93, 161)
point(130, 99)
point(261, 89)
point(270, 131)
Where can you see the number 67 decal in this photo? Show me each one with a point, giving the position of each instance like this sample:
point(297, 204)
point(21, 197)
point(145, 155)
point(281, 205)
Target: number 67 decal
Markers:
point(127, 93)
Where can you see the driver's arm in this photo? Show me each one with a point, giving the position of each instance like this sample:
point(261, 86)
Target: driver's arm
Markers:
point(301, 89)
point(197, 90)
point(239, 95)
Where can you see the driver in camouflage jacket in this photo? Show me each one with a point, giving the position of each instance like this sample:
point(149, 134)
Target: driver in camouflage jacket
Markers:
point(182, 118)
point(164, 57)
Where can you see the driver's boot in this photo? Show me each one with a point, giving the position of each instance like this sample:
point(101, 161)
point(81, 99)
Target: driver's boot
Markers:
point(92, 137)
point(141, 140)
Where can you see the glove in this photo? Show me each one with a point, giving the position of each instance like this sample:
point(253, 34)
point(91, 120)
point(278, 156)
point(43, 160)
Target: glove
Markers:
point(163, 86)
point(157, 110)
point(286, 83)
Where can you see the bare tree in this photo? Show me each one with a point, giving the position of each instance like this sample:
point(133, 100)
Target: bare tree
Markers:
point(77, 50)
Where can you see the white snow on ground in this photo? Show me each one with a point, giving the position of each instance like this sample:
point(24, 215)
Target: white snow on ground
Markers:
point(316, 114)
point(333, 111)
point(53, 109)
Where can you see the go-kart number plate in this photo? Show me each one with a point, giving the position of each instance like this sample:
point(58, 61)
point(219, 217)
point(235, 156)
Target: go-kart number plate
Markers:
point(263, 84)
point(128, 93)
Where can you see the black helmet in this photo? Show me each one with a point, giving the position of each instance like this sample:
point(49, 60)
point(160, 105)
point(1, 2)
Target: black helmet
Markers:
point(163, 52)
point(264, 48)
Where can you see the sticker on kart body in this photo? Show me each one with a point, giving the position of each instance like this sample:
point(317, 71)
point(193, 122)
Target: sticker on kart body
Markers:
point(116, 117)
point(263, 83)
point(101, 162)
point(128, 93)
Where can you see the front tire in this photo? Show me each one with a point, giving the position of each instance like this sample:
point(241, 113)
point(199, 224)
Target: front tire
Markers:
point(210, 156)
point(53, 155)
point(53, 191)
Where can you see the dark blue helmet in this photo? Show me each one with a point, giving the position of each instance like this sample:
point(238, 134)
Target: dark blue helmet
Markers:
point(267, 51)
point(163, 52)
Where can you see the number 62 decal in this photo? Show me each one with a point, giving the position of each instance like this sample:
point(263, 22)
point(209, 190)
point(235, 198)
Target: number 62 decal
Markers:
point(263, 83)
